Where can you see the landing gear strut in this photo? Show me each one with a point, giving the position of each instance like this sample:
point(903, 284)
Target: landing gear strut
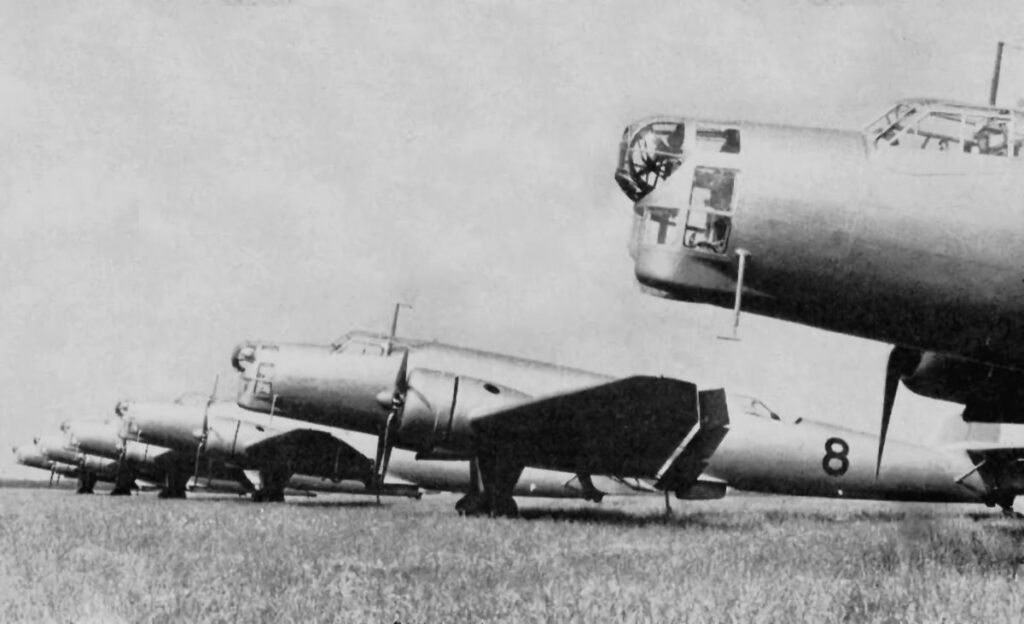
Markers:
point(175, 484)
point(86, 483)
point(1006, 503)
point(271, 485)
point(123, 483)
point(493, 476)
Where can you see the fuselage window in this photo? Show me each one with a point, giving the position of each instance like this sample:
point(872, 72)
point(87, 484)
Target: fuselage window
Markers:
point(718, 140)
point(264, 374)
point(709, 220)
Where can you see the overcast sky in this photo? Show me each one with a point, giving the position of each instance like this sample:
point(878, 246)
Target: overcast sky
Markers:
point(176, 178)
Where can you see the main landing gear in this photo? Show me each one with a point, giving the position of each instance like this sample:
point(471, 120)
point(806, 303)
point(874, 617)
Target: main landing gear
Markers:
point(271, 485)
point(123, 482)
point(175, 484)
point(492, 478)
point(86, 483)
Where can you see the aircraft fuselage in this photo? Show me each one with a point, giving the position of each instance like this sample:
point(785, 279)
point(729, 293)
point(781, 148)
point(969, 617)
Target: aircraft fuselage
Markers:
point(875, 235)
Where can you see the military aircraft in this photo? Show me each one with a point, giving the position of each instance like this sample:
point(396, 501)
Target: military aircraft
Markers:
point(302, 456)
point(134, 460)
point(89, 459)
point(501, 414)
point(30, 455)
point(448, 402)
point(89, 468)
point(904, 232)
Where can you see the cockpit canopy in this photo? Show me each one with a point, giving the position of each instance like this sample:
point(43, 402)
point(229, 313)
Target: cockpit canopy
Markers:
point(361, 343)
point(949, 127)
point(370, 343)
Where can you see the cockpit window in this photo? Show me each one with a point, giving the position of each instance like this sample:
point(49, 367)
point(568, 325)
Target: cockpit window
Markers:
point(953, 128)
point(889, 124)
point(360, 345)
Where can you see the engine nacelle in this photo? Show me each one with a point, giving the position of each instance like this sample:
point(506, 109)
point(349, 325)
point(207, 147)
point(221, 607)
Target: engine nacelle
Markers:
point(990, 394)
point(101, 466)
point(440, 408)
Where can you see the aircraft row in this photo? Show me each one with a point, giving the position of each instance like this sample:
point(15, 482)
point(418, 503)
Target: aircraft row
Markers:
point(907, 232)
point(379, 415)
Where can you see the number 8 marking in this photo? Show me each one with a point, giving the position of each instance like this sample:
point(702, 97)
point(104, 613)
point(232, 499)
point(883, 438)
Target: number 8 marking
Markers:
point(836, 449)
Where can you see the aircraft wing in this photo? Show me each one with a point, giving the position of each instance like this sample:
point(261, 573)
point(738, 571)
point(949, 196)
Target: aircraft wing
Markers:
point(310, 452)
point(650, 427)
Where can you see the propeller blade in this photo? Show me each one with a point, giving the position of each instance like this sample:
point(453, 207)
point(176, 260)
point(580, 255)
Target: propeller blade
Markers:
point(205, 432)
point(901, 362)
point(386, 440)
point(195, 469)
point(401, 379)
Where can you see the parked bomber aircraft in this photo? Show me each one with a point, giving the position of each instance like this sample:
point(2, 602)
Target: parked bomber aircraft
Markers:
point(30, 455)
point(300, 455)
point(94, 467)
point(88, 468)
point(907, 232)
point(504, 413)
point(136, 460)
point(501, 414)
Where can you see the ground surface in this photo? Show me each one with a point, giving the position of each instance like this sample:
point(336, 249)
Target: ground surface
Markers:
point(69, 558)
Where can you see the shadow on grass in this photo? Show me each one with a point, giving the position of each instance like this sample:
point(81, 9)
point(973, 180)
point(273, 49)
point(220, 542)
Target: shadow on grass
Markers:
point(346, 504)
point(289, 502)
point(993, 516)
point(726, 519)
point(619, 517)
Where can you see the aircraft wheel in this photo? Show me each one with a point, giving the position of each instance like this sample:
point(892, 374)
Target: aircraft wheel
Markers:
point(505, 508)
point(471, 504)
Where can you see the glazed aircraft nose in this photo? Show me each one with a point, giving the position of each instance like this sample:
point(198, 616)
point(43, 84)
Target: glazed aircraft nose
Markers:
point(243, 356)
point(129, 428)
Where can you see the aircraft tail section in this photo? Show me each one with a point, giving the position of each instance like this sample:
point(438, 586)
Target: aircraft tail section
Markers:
point(685, 466)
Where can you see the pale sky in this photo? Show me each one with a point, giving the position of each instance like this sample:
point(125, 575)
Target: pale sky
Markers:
point(178, 177)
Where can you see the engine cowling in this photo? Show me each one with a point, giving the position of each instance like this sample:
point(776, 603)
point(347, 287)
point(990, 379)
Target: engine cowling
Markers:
point(990, 394)
point(440, 408)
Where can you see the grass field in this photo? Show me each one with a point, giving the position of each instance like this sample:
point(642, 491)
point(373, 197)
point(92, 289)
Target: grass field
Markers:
point(69, 558)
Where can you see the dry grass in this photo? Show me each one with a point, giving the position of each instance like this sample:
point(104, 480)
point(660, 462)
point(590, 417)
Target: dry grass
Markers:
point(70, 558)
